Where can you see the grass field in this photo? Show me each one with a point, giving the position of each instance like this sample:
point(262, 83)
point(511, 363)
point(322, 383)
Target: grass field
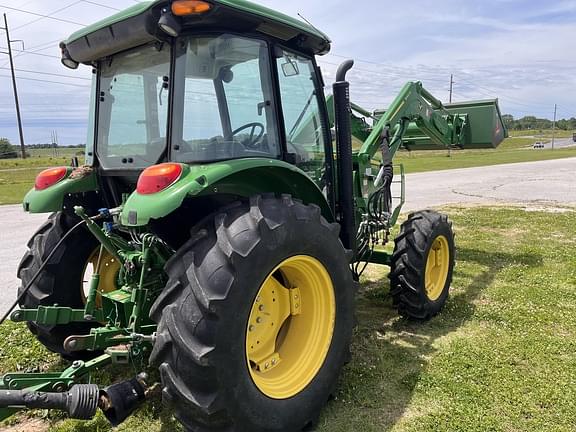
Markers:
point(17, 175)
point(500, 357)
point(542, 133)
point(65, 152)
point(436, 161)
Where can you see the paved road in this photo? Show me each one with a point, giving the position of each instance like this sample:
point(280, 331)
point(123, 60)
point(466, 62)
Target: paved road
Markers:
point(561, 142)
point(541, 183)
point(15, 230)
point(535, 183)
point(558, 142)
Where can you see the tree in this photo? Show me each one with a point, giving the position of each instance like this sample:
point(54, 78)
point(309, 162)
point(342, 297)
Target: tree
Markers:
point(6, 149)
point(534, 123)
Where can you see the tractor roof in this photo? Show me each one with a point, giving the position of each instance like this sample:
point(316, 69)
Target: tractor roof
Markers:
point(138, 25)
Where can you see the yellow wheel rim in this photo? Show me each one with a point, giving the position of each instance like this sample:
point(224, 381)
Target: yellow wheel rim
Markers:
point(437, 266)
point(109, 268)
point(290, 327)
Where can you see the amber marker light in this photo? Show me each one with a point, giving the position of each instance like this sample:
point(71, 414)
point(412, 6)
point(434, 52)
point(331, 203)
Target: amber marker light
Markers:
point(158, 177)
point(190, 7)
point(50, 177)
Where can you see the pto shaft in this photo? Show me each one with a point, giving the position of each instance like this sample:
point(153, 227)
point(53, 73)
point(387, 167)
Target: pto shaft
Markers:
point(80, 402)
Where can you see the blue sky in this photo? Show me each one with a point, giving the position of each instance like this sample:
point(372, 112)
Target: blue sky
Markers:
point(519, 51)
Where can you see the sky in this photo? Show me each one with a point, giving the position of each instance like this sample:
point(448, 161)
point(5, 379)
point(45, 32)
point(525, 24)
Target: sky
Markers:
point(519, 51)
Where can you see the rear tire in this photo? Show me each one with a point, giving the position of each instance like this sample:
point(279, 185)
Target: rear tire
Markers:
point(60, 282)
point(422, 265)
point(208, 304)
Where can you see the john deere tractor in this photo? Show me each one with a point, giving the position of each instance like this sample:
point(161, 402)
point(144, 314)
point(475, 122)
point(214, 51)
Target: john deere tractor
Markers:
point(225, 211)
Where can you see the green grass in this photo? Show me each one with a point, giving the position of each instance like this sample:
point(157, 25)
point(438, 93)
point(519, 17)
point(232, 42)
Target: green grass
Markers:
point(15, 183)
point(34, 162)
point(518, 143)
point(17, 175)
point(61, 152)
point(542, 133)
point(500, 357)
point(436, 161)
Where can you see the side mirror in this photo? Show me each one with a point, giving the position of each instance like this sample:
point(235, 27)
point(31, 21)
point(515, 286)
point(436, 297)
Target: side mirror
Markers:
point(290, 68)
point(226, 75)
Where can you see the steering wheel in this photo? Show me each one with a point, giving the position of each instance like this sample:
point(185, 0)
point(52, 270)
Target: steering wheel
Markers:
point(253, 139)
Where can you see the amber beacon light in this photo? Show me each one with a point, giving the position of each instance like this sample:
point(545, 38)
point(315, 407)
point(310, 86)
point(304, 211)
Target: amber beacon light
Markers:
point(190, 7)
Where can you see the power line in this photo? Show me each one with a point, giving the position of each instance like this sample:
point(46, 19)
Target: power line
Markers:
point(49, 73)
point(100, 4)
point(37, 54)
point(402, 71)
point(397, 70)
point(50, 43)
point(386, 74)
point(567, 109)
point(50, 15)
point(403, 75)
point(47, 81)
point(41, 15)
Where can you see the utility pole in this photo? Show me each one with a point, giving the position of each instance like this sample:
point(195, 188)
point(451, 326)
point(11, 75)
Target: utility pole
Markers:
point(16, 101)
point(450, 100)
point(554, 126)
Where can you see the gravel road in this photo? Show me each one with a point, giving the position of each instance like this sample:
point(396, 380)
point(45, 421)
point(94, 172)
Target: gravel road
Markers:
point(535, 183)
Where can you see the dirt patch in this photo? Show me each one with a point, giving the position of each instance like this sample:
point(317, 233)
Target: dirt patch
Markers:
point(549, 209)
point(28, 425)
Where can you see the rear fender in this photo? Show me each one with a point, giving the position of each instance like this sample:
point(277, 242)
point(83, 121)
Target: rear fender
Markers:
point(243, 178)
point(78, 180)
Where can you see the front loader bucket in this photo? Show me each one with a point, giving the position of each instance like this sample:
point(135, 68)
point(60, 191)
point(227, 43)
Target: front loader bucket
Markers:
point(485, 125)
point(482, 127)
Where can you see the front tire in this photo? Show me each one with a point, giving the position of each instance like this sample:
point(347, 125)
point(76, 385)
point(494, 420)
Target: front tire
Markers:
point(225, 302)
point(422, 265)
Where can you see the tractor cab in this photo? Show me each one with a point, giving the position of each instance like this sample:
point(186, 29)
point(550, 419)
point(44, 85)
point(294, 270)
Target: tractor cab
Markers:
point(191, 93)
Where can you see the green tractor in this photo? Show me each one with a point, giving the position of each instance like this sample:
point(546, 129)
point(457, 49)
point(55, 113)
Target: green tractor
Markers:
point(226, 210)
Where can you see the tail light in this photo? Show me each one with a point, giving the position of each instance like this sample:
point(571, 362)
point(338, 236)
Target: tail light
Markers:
point(50, 177)
point(158, 177)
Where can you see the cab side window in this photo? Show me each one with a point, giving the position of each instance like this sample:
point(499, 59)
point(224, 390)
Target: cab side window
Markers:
point(302, 116)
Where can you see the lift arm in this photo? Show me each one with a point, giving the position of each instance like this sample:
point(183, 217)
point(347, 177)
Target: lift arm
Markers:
point(415, 109)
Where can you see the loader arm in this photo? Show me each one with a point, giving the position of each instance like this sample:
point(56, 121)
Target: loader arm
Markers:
point(415, 120)
point(415, 109)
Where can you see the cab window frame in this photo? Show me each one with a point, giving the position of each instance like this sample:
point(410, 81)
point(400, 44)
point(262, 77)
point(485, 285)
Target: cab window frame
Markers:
point(178, 76)
point(96, 149)
point(319, 87)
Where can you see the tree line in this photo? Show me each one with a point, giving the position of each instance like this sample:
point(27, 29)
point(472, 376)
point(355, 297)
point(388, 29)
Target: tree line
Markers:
point(9, 151)
point(534, 123)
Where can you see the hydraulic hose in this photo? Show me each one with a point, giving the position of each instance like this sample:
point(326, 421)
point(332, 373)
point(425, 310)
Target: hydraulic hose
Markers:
point(44, 264)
